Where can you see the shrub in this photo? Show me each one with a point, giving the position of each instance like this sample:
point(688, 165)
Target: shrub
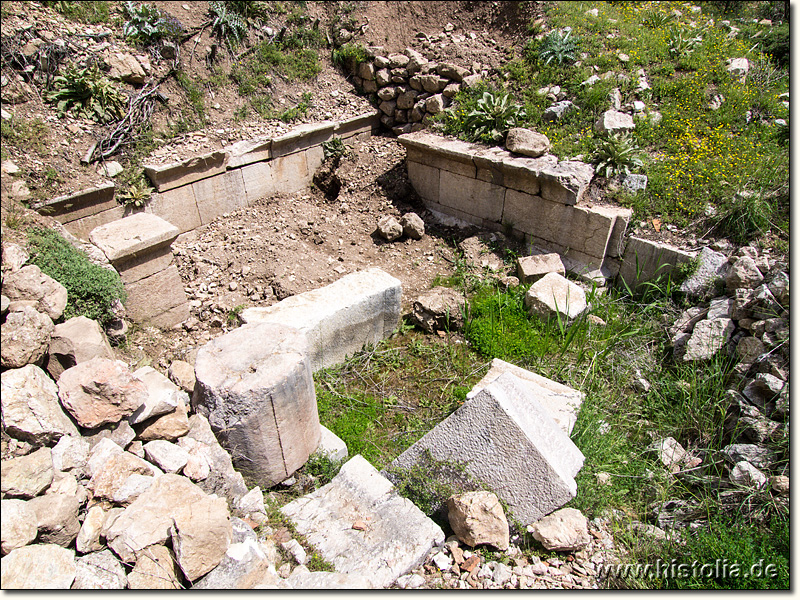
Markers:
point(680, 46)
point(91, 289)
point(616, 154)
point(349, 56)
point(558, 48)
point(492, 117)
point(87, 93)
point(229, 26)
point(137, 194)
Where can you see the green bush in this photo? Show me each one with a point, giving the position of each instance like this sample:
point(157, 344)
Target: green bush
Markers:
point(91, 289)
point(616, 154)
point(87, 93)
point(491, 118)
point(558, 48)
point(349, 56)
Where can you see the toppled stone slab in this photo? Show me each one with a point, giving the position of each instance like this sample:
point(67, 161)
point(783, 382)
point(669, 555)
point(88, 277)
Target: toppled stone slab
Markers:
point(555, 296)
point(126, 239)
point(532, 268)
point(504, 439)
point(167, 177)
point(341, 318)
point(254, 384)
point(645, 260)
point(397, 535)
point(560, 401)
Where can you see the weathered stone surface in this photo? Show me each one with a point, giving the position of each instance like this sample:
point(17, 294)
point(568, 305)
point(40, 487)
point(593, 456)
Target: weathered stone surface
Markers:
point(712, 268)
point(166, 177)
point(255, 386)
point(527, 142)
point(100, 454)
point(557, 111)
point(738, 67)
point(75, 341)
point(708, 337)
point(303, 579)
point(14, 256)
point(133, 236)
point(27, 476)
point(746, 475)
point(613, 121)
point(221, 193)
point(565, 530)
point(18, 525)
point(758, 456)
point(122, 434)
point(24, 337)
point(478, 518)
point(29, 283)
point(339, 319)
point(331, 445)
point(247, 152)
point(566, 182)
point(178, 206)
point(99, 571)
point(480, 199)
point(242, 568)
point(252, 501)
point(560, 401)
point(440, 309)
point(170, 457)
point(645, 261)
point(109, 479)
point(40, 566)
point(779, 484)
point(133, 487)
point(763, 389)
point(88, 539)
point(413, 226)
point(720, 308)
point(128, 68)
point(155, 570)
point(201, 533)
point(779, 286)
point(181, 374)
point(532, 268)
point(389, 228)
point(100, 391)
point(398, 535)
point(743, 274)
point(155, 298)
point(168, 427)
point(555, 296)
point(31, 411)
point(504, 439)
point(56, 518)
point(669, 451)
point(221, 478)
point(163, 396)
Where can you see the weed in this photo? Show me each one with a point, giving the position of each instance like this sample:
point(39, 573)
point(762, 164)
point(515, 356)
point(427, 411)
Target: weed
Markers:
point(297, 112)
point(87, 93)
point(334, 148)
point(322, 468)
point(492, 117)
point(91, 289)
point(616, 154)
point(349, 56)
point(227, 24)
point(92, 12)
point(233, 315)
point(746, 216)
point(196, 96)
point(146, 24)
point(558, 47)
point(680, 45)
point(657, 19)
point(27, 135)
point(137, 194)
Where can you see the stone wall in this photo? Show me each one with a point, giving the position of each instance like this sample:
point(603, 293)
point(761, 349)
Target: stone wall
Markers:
point(197, 190)
point(540, 199)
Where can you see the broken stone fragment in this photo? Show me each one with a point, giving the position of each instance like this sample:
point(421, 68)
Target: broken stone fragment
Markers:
point(440, 309)
point(565, 530)
point(389, 228)
point(478, 518)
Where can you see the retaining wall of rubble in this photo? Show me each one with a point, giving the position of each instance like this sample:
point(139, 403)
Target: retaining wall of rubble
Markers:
point(197, 190)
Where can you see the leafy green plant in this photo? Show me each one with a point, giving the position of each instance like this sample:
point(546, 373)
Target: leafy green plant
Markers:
point(233, 315)
point(87, 93)
point(616, 154)
point(492, 117)
point(147, 24)
point(680, 45)
point(91, 289)
point(334, 148)
point(657, 19)
point(227, 24)
point(137, 194)
point(349, 56)
point(558, 47)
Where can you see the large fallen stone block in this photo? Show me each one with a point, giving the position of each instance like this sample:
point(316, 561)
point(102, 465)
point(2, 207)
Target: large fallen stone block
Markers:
point(646, 261)
point(503, 440)
point(254, 384)
point(341, 318)
point(395, 536)
point(555, 296)
point(560, 401)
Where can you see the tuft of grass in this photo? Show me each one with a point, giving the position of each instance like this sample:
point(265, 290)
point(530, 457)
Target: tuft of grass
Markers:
point(91, 12)
point(27, 135)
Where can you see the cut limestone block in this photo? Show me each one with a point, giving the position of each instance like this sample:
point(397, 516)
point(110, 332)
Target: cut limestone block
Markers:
point(425, 180)
point(338, 319)
point(645, 261)
point(566, 182)
point(166, 177)
point(79, 205)
point(255, 387)
point(302, 137)
point(219, 194)
point(532, 268)
point(395, 537)
point(361, 124)
point(505, 441)
point(258, 181)
point(479, 198)
point(290, 173)
point(152, 296)
point(555, 296)
point(178, 206)
point(331, 445)
point(560, 401)
point(247, 152)
point(126, 239)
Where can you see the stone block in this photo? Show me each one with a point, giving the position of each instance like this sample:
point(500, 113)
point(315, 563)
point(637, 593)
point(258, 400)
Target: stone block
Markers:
point(247, 152)
point(258, 181)
point(554, 296)
point(131, 238)
point(178, 206)
point(314, 158)
point(645, 261)
point(167, 177)
point(84, 203)
point(290, 173)
point(364, 123)
point(425, 180)
point(472, 196)
point(560, 401)
point(338, 319)
point(255, 387)
point(453, 216)
point(331, 445)
point(302, 137)
point(397, 535)
point(81, 228)
point(219, 194)
point(438, 161)
point(145, 265)
point(504, 439)
point(566, 182)
point(173, 316)
point(154, 295)
point(533, 268)
point(616, 242)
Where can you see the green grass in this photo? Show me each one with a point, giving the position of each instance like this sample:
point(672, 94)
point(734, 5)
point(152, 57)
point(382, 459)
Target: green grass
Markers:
point(91, 12)
point(25, 134)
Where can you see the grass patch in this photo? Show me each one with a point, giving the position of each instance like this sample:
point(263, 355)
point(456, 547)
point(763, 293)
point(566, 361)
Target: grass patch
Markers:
point(91, 12)
point(27, 135)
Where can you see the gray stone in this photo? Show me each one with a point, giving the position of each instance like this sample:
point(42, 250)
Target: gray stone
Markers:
point(75, 341)
point(252, 501)
point(122, 434)
point(397, 536)
point(133, 487)
point(246, 152)
point(613, 121)
point(720, 308)
point(565, 530)
point(746, 475)
point(531, 269)
point(669, 452)
point(527, 142)
point(56, 518)
point(389, 228)
point(155, 570)
point(322, 580)
point(127, 67)
point(168, 427)
point(27, 476)
point(738, 67)
point(433, 84)
point(167, 177)
point(331, 445)
point(504, 425)
point(435, 104)
point(648, 261)
point(366, 70)
point(708, 338)
point(18, 525)
point(712, 267)
point(40, 566)
point(297, 552)
point(31, 411)
point(29, 283)
point(743, 274)
point(561, 402)
point(764, 389)
point(88, 539)
point(100, 454)
point(758, 456)
point(413, 226)
point(110, 482)
point(779, 286)
point(452, 71)
point(341, 318)
point(24, 337)
point(100, 391)
point(14, 256)
point(478, 518)
point(181, 374)
point(554, 296)
point(255, 386)
point(633, 183)
point(163, 396)
point(244, 566)
point(566, 183)
point(170, 457)
point(780, 484)
point(557, 111)
point(440, 309)
point(749, 349)
point(201, 532)
point(99, 571)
